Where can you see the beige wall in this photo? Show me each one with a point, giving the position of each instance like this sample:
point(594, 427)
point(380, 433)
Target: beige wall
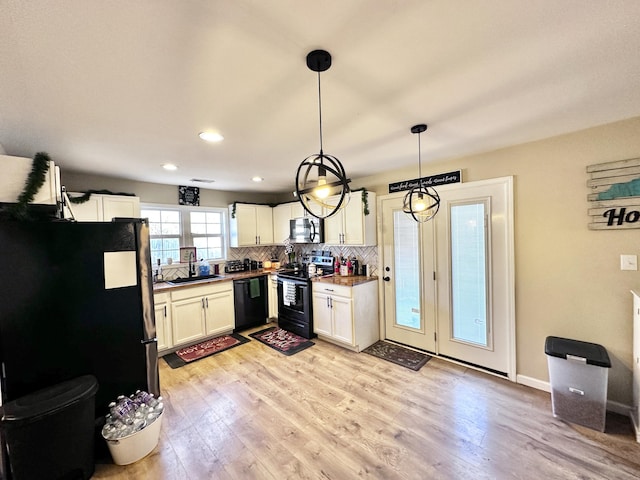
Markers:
point(156, 193)
point(568, 278)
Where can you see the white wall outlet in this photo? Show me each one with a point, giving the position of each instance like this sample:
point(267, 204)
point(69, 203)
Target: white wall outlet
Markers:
point(628, 262)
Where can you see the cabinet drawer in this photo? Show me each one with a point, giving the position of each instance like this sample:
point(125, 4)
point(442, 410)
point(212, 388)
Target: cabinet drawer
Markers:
point(201, 290)
point(159, 298)
point(330, 289)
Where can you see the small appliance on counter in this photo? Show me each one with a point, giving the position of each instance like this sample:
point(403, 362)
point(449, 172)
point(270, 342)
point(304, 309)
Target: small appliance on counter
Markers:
point(233, 266)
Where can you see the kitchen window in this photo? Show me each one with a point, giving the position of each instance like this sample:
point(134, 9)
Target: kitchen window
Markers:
point(173, 227)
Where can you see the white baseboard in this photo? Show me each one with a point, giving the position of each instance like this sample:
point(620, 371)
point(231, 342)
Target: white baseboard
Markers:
point(612, 406)
point(533, 383)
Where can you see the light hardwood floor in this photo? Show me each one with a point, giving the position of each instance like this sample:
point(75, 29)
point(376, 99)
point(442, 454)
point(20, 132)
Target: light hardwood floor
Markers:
point(328, 413)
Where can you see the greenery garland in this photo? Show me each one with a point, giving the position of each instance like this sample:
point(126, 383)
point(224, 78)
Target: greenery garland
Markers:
point(35, 180)
point(87, 195)
point(365, 201)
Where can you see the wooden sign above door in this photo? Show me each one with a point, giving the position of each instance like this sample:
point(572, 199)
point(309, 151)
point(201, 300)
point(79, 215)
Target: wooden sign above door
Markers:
point(614, 201)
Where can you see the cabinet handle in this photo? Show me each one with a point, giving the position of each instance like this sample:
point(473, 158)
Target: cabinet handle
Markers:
point(331, 302)
point(327, 302)
point(165, 310)
point(202, 303)
point(328, 289)
point(207, 300)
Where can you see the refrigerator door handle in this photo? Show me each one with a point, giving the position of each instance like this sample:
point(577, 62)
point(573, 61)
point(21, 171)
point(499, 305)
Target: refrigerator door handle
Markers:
point(151, 340)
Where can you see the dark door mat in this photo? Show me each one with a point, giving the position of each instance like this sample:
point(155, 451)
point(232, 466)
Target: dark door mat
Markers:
point(204, 349)
point(398, 355)
point(285, 342)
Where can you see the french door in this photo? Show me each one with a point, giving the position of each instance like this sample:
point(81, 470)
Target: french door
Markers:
point(448, 285)
point(408, 267)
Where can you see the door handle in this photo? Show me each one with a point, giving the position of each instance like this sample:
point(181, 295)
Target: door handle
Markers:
point(386, 279)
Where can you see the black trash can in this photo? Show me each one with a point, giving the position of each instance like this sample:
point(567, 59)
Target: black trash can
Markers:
point(578, 373)
point(49, 434)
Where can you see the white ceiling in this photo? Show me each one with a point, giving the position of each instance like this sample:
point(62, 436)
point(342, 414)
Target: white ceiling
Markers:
point(119, 87)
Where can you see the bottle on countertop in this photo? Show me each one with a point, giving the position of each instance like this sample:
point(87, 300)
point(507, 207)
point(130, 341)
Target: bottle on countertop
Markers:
point(336, 269)
point(203, 267)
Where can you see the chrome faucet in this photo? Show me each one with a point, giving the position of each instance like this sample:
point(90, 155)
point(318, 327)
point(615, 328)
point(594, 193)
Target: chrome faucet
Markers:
point(192, 267)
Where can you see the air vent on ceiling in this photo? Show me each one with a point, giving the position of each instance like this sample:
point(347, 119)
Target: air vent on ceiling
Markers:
point(201, 180)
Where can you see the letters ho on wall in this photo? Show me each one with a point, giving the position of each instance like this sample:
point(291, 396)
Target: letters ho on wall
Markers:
point(614, 201)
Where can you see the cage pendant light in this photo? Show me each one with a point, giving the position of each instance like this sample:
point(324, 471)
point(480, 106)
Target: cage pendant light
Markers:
point(321, 176)
point(421, 202)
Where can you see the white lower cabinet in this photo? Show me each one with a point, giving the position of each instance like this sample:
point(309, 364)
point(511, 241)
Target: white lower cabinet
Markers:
point(635, 410)
point(347, 316)
point(199, 312)
point(163, 321)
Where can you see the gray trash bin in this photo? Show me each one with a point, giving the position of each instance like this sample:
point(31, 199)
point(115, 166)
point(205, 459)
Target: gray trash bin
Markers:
point(578, 373)
point(49, 434)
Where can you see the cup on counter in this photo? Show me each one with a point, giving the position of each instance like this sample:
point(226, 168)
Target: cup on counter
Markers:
point(169, 261)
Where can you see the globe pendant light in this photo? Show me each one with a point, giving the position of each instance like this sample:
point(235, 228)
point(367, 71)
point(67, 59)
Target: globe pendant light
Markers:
point(320, 176)
point(421, 202)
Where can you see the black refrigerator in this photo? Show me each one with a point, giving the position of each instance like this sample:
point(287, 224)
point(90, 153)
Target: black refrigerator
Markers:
point(76, 299)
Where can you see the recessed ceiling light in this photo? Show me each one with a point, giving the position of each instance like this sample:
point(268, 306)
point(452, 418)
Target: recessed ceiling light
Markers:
point(169, 166)
point(257, 179)
point(211, 137)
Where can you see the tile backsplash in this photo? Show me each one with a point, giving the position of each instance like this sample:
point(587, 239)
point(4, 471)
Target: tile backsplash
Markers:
point(365, 255)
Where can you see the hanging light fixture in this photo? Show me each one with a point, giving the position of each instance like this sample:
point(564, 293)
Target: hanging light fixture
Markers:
point(320, 175)
point(421, 202)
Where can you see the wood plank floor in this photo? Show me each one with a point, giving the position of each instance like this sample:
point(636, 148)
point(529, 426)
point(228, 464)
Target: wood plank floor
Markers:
point(328, 413)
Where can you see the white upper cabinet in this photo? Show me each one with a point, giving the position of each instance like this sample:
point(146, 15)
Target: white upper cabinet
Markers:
point(282, 214)
point(13, 176)
point(350, 225)
point(250, 225)
point(103, 208)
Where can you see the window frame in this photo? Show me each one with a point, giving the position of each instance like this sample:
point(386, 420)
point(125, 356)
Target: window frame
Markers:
point(186, 237)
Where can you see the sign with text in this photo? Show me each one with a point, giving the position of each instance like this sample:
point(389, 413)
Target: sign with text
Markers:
point(614, 198)
point(430, 181)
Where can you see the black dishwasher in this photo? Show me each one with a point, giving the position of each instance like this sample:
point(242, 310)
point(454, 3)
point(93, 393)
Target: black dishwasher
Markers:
point(250, 299)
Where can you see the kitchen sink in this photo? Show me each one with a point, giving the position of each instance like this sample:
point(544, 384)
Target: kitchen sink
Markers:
point(179, 281)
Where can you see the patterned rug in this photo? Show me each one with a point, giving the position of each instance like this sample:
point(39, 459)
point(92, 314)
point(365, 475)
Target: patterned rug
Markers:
point(285, 342)
point(203, 349)
point(398, 355)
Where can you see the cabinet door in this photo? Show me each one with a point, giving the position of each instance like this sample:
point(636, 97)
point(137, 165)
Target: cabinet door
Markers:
point(89, 211)
point(220, 317)
point(246, 225)
point(342, 319)
point(163, 326)
point(187, 318)
point(354, 221)
point(334, 225)
point(322, 314)
point(264, 224)
point(120, 206)
point(281, 217)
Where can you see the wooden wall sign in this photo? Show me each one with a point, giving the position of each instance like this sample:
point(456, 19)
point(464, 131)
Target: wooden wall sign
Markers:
point(430, 181)
point(614, 201)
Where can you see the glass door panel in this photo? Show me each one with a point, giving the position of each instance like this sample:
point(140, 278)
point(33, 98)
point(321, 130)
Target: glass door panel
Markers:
point(406, 253)
point(469, 273)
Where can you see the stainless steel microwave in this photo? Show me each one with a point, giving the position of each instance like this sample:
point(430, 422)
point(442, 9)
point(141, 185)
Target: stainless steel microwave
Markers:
point(306, 230)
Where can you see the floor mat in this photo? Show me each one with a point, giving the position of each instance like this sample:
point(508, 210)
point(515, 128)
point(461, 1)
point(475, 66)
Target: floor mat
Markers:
point(285, 342)
point(202, 350)
point(398, 355)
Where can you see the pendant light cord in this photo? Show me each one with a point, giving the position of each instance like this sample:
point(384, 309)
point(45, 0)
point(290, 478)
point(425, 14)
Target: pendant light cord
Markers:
point(320, 111)
point(419, 163)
